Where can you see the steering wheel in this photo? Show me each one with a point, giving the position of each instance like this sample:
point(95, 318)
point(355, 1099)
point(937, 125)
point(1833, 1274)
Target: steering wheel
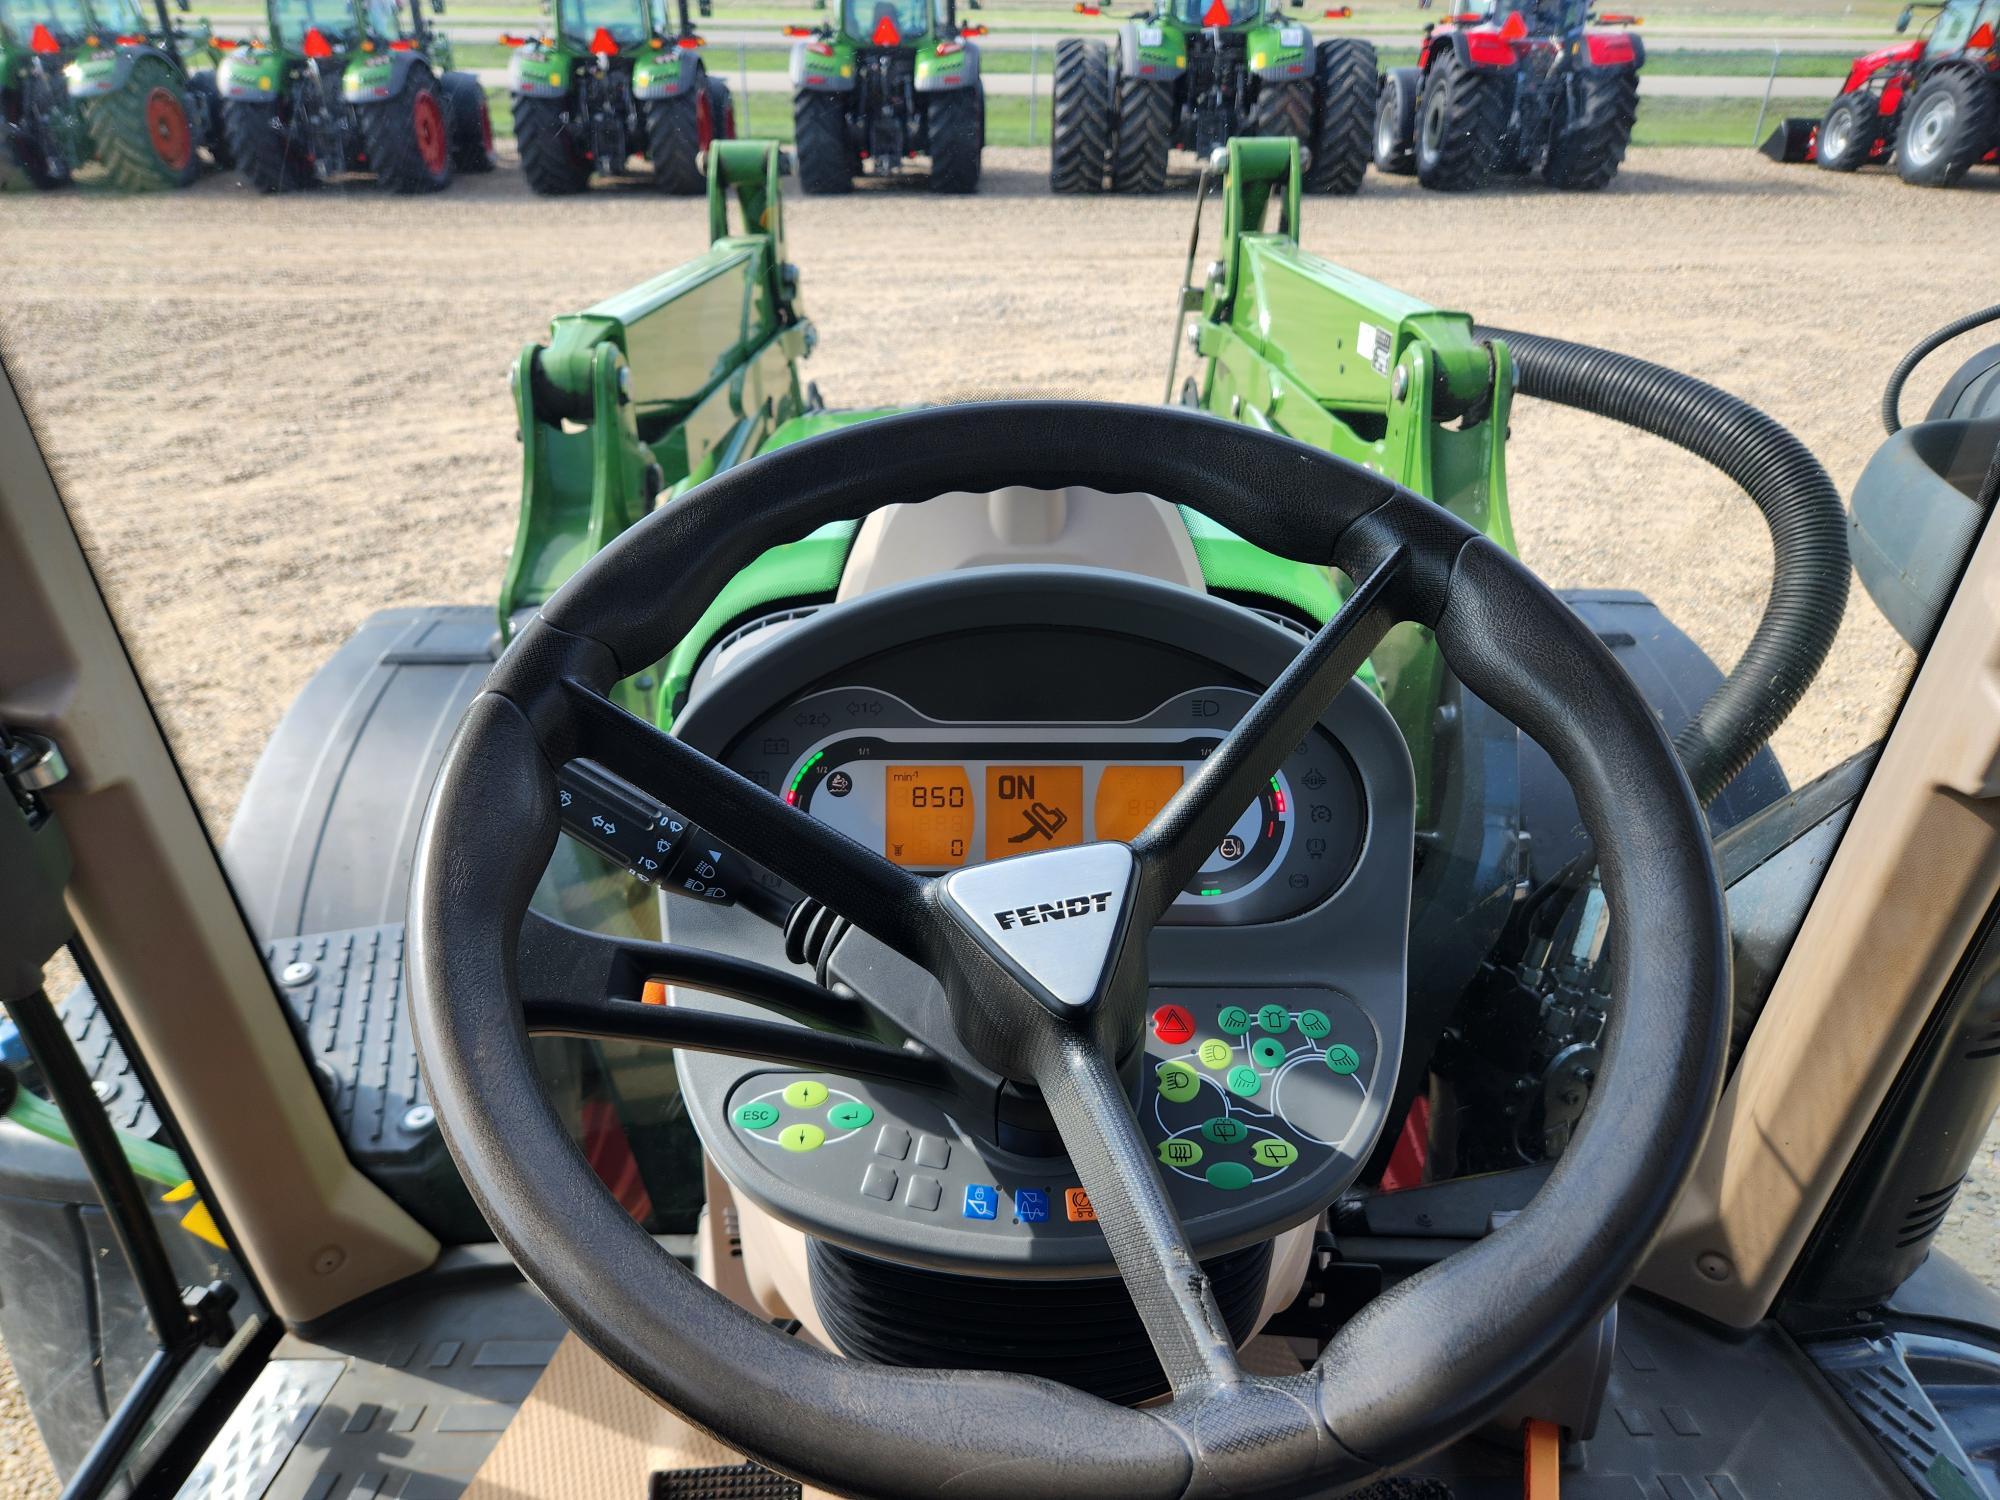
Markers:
point(1056, 1006)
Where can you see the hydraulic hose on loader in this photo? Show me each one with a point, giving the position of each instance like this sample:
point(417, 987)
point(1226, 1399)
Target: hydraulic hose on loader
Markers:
point(1799, 503)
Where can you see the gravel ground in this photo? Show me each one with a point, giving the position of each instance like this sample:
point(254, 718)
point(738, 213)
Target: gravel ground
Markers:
point(272, 416)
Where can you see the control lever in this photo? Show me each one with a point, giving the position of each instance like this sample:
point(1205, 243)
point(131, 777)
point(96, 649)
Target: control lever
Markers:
point(648, 839)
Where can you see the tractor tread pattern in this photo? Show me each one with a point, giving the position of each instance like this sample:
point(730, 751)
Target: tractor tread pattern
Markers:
point(1866, 131)
point(1145, 134)
point(122, 139)
point(953, 121)
point(1400, 160)
point(819, 135)
point(1080, 142)
point(262, 146)
point(673, 143)
point(1475, 115)
point(390, 136)
point(1978, 126)
point(550, 159)
point(1283, 107)
point(1585, 156)
point(467, 124)
point(1343, 135)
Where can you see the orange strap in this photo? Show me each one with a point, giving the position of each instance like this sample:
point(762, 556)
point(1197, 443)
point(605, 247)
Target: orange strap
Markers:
point(1541, 1446)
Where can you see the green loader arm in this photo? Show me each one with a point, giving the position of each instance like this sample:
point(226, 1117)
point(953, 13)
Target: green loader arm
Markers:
point(1297, 345)
point(651, 391)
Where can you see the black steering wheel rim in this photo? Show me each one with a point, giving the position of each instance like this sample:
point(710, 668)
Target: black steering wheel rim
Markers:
point(1421, 1364)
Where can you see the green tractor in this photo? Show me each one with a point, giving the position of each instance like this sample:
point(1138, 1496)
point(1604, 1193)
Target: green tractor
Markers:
point(108, 82)
point(1193, 73)
point(891, 80)
point(614, 80)
point(352, 85)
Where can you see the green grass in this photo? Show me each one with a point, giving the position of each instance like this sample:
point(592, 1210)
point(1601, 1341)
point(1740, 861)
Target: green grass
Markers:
point(1662, 122)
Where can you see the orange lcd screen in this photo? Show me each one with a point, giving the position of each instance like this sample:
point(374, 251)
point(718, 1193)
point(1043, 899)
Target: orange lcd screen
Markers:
point(1128, 796)
point(1031, 808)
point(929, 816)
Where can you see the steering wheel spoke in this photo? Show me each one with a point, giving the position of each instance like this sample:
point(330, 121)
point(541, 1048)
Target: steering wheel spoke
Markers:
point(875, 895)
point(1185, 832)
point(1093, 1115)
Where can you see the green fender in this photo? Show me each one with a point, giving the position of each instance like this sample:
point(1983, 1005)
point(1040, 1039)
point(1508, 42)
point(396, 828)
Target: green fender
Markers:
point(667, 74)
point(102, 71)
point(253, 75)
point(1152, 47)
point(373, 77)
point(543, 73)
point(823, 66)
point(1279, 52)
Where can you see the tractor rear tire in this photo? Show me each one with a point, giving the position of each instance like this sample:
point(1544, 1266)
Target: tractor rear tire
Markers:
point(1144, 134)
point(408, 141)
point(673, 143)
point(1585, 150)
point(1460, 118)
point(1949, 125)
point(721, 124)
point(203, 92)
point(1344, 122)
point(143, 133)
point(827, 162)
point(264, 146)
point(1396, 122)
point(1080, 143)
point(953, 122)
point(553, 158)
point(469, 122)
point(1852, 125)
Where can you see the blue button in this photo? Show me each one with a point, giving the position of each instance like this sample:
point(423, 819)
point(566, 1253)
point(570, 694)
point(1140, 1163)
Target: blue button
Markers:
point(1031, 1205)
point(981, 1202)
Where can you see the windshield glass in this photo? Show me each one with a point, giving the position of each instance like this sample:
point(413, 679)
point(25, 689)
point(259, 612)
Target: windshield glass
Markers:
point(66, 18)
point(626, 20)
point(1955, 24)
point(292, 19)
point(867, 19)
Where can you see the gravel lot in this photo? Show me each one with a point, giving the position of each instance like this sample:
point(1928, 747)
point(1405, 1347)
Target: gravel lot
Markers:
point(272, 416)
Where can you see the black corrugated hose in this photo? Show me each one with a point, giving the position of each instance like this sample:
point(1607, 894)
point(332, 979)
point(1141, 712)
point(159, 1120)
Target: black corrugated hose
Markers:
point(1892, 396)
point(1800, 505)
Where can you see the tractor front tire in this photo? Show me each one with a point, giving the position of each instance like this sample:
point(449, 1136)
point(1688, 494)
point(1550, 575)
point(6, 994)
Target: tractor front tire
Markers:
point(142, 133)
point(1852, 125)
point(408, 140)
point(552, 156)
point(1143, 137)
point(953, 122)
point(1949, 125)
point(1396, 122)
point(673, 143)
point(819, 134)
point(1080, 143)
point(264, 147)
point(469, 121)
point(1587, 146)
point(1460, 117)
point(1344, 119)
point(203, 94)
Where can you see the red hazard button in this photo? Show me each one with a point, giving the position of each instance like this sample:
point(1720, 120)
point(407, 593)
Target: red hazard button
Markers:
point(1173, 1025)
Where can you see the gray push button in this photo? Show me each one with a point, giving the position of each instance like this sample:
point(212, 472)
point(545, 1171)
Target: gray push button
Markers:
point(924, 1193)
point(879, 1182)
point(933, 1152)
point(893, 1142)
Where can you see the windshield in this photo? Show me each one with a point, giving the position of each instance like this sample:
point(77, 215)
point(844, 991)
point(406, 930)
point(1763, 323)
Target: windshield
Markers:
point(1954, 25)
point(346, 390)
point(886, 22)
point(66, 18)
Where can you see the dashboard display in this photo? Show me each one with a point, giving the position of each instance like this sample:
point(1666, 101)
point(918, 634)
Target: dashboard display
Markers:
point(933, 796)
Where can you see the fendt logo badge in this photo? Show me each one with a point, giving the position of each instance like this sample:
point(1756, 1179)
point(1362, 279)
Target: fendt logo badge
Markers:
point(1052, 911)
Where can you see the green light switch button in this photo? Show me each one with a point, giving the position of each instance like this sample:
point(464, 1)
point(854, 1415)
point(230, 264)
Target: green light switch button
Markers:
point(1234, 1019)
point(1178, 1084)
point(759, 1116)
point(1342, 1058)
point(1274, 1153)
point(1229, 1175)
point(1267, 1052)
point(1224, 1131)
point(1214, 1053)
point(1274, 1018)
point(1243, 1081)
point(1314, 1025)
point(1179, 1151)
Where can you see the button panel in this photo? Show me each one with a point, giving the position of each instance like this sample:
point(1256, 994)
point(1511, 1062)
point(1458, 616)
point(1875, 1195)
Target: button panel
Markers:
point(1255, 1091)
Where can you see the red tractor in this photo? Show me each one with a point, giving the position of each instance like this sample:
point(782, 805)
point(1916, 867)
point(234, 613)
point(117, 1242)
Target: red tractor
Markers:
point(1510, 87)
point(1931, 104)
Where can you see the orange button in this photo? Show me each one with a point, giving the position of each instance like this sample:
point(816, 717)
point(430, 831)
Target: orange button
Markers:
point(655, 992)
point(1077, 1201)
